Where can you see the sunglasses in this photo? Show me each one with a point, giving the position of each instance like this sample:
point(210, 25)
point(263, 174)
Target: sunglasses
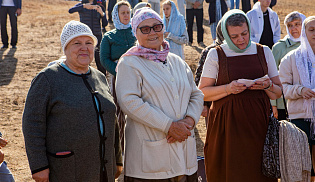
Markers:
point(147, 29)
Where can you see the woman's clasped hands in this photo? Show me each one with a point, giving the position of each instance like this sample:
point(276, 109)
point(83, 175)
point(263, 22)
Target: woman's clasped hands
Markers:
point(180, 130)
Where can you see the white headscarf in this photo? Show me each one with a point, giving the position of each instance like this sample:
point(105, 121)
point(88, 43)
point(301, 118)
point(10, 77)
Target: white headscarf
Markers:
point(286, 26)
point(115, 16)
point(305, 59)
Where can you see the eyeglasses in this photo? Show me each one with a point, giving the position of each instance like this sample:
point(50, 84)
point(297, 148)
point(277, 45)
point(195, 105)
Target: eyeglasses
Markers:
point(147, 29)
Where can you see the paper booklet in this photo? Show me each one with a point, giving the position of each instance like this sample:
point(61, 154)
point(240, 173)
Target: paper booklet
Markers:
point(249, 82)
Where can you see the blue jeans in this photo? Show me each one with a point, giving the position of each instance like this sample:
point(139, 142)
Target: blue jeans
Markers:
point(237, 4)
point(5, 174)
point(181, 7)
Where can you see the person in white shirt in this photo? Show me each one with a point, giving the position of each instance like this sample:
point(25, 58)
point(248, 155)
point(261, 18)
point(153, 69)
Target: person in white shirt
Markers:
point(265, 24)
point(13, 9)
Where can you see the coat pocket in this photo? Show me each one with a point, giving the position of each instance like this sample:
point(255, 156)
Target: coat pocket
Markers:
point(156, 156)
point(191, 152)
point(61, 166)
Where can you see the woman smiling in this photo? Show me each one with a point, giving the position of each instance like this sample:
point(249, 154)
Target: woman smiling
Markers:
point(156, 91)
point(69, 122)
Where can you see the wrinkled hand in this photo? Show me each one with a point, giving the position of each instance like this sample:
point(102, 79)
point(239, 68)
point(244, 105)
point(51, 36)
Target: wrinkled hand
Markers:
point(307, 93)
point(261, 85)
point(186, 125)
point(3, 142)
point(205, 111)
point(196, 4)
point(235, 88)
point(41, 176)
point(118, 172)
point(275, 112)
point(179, 131)
point(166, 34)
point(18, 12)
point(1, 156)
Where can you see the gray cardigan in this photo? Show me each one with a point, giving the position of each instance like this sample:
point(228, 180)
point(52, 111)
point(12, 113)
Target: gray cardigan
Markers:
point(60, 116)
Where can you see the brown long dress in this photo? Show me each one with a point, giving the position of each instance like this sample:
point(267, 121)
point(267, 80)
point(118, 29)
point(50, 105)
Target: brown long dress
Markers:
point(238, 123)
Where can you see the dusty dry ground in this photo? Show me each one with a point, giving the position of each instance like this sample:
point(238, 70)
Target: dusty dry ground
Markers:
point(39, 28)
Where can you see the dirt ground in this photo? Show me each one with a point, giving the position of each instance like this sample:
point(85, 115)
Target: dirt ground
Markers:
point(39, 28)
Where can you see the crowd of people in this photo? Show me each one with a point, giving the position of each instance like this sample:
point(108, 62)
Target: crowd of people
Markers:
point(137, 111)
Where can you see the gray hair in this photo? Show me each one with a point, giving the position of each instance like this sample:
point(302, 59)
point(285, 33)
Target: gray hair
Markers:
point(236, 20)
point(291, 17)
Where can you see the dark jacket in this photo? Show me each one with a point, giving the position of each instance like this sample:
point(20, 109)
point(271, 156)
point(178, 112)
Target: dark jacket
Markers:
point(60, 115)
point(114, 44)
point(17, 3)
point(212, 9)
point(91, 18)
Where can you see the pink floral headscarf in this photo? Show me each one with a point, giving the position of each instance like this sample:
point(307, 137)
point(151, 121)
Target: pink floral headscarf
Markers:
point(147, 53)
point(141, 15)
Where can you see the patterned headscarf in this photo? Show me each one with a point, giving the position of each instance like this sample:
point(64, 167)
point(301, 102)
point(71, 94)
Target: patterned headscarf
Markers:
point(141, 15)
point(226, 36)
point(115, 16)
point(305, 59)
point(138, 50)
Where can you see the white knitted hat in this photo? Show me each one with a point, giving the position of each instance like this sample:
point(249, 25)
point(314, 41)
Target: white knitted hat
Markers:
point(75, 29)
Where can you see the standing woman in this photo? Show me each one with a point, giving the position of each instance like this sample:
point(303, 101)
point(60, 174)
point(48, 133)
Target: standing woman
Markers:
point(69, 123)
point(293, 22)
point(239, 115)
point(92, 14)
point(114, 44)
point(297, 74)
point(217, 8)
point(175, 33)
point(156, 90)
point(117, 41)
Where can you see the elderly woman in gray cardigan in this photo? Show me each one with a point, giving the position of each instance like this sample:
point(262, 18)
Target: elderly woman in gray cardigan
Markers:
point(69, 121)
point(156, 90)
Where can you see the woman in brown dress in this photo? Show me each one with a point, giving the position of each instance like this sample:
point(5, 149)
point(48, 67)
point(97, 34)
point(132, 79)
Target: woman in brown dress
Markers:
point(240, 111)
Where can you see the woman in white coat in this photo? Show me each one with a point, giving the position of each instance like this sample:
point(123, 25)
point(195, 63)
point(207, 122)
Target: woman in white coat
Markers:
point(156, 91)
point(297, 75)
point(261, 25)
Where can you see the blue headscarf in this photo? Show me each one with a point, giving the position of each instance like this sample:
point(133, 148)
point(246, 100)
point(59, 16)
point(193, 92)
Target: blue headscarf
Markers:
point(175, 19)
point(118, 25)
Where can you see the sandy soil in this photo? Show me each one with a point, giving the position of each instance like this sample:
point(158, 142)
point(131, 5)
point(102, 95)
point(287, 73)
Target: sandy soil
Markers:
point(39, 29)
